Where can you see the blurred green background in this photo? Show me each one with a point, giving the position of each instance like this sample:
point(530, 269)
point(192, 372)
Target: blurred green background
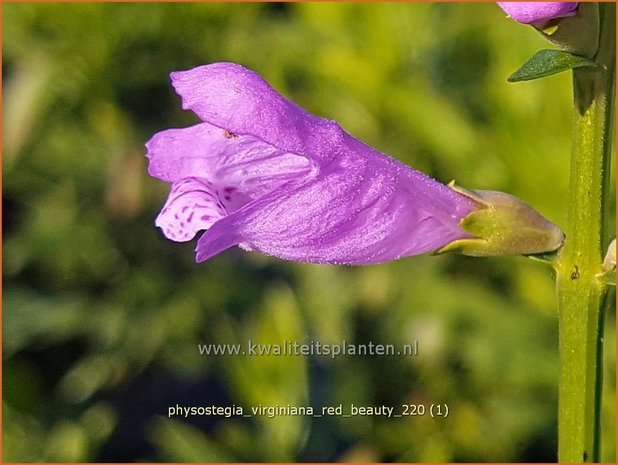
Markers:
point(102, 315)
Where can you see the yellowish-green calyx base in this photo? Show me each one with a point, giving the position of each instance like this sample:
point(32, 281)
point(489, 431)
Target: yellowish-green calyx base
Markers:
point(504, 225)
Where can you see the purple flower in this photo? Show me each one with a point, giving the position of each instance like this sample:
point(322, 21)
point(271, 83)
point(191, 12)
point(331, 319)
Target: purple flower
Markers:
point(262, 173)
point(538, 13)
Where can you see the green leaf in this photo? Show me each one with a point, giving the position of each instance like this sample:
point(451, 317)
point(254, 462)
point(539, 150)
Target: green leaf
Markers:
point(547, 62)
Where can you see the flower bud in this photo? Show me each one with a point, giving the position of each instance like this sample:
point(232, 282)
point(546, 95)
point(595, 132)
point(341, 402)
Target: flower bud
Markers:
point(504, 225)
point(572, 26)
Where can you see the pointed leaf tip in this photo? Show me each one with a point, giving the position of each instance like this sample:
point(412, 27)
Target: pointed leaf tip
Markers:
point(548, 62)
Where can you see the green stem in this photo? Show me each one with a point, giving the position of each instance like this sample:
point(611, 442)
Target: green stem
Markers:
point(580, 293)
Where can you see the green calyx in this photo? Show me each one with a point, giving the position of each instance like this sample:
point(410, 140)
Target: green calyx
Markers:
point(576, 34)
point(504, 225)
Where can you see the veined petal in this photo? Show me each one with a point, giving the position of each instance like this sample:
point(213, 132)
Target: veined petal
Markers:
point(192, 205)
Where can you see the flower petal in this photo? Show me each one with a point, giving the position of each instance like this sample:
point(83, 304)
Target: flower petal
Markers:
point(192, 205)
point(230, 96)
point(538, 12)
point(231, 170)
point(370, 210)
point(303, 189)
point(223, 157)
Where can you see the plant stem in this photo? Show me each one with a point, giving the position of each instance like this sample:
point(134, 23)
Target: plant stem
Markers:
point(580, 293)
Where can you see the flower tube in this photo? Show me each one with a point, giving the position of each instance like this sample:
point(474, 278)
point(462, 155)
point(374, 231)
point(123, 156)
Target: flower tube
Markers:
point(263, 174)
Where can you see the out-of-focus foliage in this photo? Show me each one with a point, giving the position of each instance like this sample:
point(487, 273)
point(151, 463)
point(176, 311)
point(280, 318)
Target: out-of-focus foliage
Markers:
point(102, 316)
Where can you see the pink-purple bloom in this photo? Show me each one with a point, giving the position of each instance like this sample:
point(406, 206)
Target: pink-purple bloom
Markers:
point(538, 13)
point(264, 174)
